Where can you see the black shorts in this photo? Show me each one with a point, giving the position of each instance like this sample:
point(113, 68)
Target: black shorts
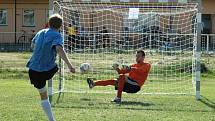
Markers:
point(129, 88)
point(38, 79)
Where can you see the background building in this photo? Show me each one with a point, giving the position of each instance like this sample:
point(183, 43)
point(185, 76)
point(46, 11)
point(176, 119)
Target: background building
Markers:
point(24, 17)
point(21, 16)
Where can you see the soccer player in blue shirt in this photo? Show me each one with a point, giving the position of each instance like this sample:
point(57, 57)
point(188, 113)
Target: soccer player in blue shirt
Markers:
point(46, 44)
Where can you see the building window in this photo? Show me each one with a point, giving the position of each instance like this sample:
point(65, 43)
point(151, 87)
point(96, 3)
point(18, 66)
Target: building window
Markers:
point(28, 18)
point(3, 17)
point(206, 23)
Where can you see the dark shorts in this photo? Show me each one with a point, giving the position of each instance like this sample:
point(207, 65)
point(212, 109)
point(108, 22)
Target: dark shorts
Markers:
point(38, 79)
point(129, 88)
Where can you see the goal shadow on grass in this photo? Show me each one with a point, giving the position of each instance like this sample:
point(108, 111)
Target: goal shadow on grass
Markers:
point(207, 102)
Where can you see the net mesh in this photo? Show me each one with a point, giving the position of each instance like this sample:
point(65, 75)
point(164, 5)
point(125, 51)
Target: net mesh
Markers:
point(104, 33)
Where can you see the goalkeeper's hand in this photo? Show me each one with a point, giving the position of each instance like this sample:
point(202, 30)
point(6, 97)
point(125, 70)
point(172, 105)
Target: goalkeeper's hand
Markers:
point(115, 66)
point(127, 67)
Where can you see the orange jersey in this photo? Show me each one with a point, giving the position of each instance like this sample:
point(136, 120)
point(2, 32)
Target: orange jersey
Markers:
point(138, 72)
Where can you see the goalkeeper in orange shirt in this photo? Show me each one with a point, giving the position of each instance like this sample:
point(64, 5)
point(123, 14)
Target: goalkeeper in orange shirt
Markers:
point(131, 83)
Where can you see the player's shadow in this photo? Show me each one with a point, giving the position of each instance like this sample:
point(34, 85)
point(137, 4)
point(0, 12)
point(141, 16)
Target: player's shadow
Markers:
point(134, 103)
point(85, 99)
point(207, 102)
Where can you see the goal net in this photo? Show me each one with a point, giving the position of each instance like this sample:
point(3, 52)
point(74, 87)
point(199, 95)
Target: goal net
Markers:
point(101, 34)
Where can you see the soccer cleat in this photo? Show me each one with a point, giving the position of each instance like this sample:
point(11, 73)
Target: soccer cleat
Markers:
point(90, 83)
point(116, 100)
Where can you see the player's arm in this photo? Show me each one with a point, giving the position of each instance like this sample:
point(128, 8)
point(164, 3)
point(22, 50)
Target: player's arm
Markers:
point(124, 70)
point(33, 41)
point(32, 45)
point(62, 54)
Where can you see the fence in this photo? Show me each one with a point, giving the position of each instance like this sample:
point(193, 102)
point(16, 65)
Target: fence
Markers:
point(11, 41)
point(21, 41)
point(208, 43)
point(208, 51)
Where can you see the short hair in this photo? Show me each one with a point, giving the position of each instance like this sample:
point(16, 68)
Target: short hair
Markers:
point(55, 21)
point(142, 52)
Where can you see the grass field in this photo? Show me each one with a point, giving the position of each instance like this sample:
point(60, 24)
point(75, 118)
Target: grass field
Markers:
point(19, 101)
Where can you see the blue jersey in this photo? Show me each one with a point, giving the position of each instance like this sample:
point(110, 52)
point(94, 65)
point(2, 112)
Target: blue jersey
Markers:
point(44, 53)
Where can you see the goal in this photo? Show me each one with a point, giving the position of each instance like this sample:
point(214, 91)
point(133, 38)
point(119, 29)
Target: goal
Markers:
point(102, 33)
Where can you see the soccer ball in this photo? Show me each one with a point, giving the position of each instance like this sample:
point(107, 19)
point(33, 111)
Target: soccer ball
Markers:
point(84, 67)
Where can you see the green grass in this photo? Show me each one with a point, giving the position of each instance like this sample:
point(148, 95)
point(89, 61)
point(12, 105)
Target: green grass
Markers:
point(19, 101)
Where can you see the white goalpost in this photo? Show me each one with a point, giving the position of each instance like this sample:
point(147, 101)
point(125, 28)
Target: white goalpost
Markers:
point(102, 33)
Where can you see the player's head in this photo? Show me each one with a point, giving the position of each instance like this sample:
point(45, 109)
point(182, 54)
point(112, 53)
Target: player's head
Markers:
point(140, 55)
point(55, 21)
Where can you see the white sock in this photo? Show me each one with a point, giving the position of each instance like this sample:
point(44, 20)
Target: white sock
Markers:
point(47, 108)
